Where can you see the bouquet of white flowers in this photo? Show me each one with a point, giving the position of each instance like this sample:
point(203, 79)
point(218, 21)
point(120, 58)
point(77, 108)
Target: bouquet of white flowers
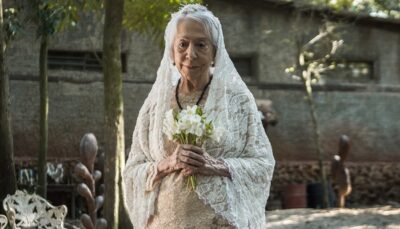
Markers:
point(190, 126)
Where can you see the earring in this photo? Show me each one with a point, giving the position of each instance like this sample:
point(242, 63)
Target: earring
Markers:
point(212, 64)
point(173, 63)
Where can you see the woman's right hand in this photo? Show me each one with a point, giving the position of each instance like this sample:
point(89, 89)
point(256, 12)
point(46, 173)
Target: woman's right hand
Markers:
point(182, 158)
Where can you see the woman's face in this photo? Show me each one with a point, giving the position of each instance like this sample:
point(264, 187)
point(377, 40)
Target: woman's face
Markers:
point(193, 51)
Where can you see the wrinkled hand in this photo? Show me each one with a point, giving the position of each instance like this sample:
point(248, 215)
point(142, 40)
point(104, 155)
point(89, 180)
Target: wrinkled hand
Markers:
point(192, 160)
point(211, 166)
point(183, 158)
point(187, 157)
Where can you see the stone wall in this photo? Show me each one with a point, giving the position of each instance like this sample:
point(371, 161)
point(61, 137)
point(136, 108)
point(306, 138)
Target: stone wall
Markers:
point(370, 119)
point(367, 112)
point(268, 33)
point(74, 109)
point(373, 183)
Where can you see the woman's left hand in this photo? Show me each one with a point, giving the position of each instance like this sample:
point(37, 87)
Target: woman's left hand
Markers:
point(211, 167)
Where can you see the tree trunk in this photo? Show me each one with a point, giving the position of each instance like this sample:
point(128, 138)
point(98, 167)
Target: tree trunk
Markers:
point(8, 181)
point(114, 210)
point(308, 89)
point(44, 113)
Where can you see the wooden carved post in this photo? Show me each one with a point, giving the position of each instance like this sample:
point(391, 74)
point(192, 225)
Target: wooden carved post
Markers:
point(87, 189)
point(340, 173)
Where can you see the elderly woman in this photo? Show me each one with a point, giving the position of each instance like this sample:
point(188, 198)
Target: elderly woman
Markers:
point(233, 175)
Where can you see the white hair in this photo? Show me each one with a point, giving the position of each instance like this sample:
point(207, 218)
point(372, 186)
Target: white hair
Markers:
point(197, 13)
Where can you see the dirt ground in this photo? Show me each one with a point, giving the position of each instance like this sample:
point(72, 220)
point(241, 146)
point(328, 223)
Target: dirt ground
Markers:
point(387, 217)
point(383, 217)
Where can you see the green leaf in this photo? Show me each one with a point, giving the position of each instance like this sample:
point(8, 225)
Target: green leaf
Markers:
point(151, 17)
point(199, 111)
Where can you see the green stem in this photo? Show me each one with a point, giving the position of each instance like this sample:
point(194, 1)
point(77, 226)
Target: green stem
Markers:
point(193, 182)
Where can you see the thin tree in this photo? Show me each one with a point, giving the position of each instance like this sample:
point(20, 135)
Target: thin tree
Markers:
point(48, 17)
point(44, 114)
point(51, 17)
point(114, 120)
point(8, 181)
point(312, 61)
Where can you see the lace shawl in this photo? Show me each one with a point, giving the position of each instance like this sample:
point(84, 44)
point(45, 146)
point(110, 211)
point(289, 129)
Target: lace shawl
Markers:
point(245, 148)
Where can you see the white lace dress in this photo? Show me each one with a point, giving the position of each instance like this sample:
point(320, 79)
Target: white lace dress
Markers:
point(244, 149)
point(177, 206)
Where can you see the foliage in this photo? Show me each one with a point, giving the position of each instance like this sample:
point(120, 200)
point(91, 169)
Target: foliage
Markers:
point(378, 8)
point(151, 17)
point(143, 16)
point(314, 57)
point(53, 16)
point(12, 24)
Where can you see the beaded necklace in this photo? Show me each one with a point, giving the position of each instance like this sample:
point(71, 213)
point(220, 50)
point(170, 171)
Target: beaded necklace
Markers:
point(201, 96)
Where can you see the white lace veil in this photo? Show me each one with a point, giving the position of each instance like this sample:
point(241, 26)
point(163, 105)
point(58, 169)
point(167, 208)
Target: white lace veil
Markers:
point(227, 100)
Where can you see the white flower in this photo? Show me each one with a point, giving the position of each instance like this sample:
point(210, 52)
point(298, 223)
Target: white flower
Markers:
point(189, 111)
point(190, 121)
point(183, 123)
point(192, 110)
point(196, 127)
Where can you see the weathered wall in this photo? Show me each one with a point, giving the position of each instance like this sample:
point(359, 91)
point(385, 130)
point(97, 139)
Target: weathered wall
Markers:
point(74, 109)
point(372, 183)
point(370, 119)
point(368, 114)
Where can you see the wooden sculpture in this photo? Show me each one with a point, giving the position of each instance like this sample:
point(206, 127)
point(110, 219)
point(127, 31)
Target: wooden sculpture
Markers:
point(341, 174)
point(87, 189)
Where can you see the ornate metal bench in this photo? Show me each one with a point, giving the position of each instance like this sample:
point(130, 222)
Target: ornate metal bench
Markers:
point(3, 221)
point(31, 210)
